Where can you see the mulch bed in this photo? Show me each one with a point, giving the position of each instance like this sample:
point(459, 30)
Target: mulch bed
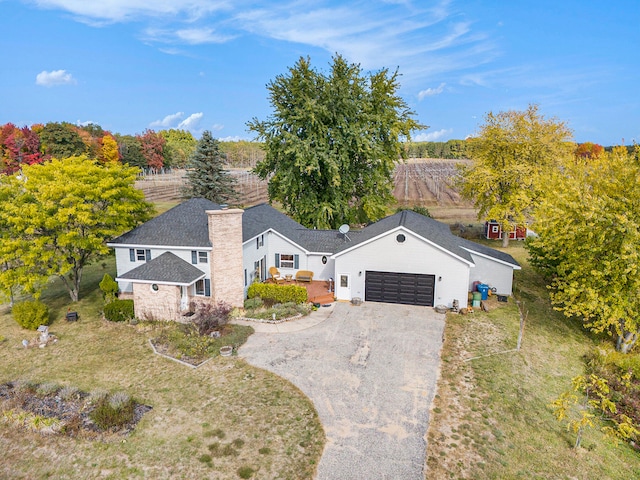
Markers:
point(73, 412)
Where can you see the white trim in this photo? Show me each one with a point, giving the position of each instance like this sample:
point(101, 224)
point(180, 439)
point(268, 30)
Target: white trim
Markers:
point(149, 282)
point(497, 260)
point(404, 229)
point(168, 248)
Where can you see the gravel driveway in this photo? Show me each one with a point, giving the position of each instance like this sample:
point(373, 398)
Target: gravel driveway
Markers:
point(371, 372)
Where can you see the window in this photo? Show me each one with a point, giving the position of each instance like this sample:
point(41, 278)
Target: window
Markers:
point(324, 260)
point(400, 238)
point(154, 287)
point(203, 287)
point(139, 255)
point(199, 257)
point(344, 281)
point(245, 277)
point(494, 228)
point(259, 241)
point(286, 261)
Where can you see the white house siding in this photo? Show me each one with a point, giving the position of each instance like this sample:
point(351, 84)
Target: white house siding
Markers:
point(493, 273)
point(251, 254)
point(385, 254)
point(321, 271)
point(278, 244)
point(124, 264)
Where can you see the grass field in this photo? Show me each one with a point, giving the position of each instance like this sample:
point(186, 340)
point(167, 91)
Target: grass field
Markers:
point(491, 417)
point(224, 420)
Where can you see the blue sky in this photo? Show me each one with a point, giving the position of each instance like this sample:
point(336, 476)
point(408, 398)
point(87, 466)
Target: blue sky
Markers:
point(129, 65)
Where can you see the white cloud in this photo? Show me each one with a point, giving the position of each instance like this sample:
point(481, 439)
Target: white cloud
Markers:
point(168, 121)
point(55, 77)
point(188, 36)
point(423, 39)
point(433, 136)
point(431, 91)
point(191, 122)
point(125, 10)
point(174, 120)
point(216, 127)
point(235, 138)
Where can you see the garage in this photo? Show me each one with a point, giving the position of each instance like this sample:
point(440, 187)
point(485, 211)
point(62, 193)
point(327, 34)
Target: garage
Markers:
point(406, 288)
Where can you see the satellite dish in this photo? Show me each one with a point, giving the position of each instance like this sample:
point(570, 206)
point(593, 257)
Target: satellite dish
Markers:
point(343, 230)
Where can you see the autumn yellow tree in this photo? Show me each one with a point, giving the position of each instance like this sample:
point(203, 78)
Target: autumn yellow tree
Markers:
point(588, 244)
point(56, 217)
point(509, 156)
point(109, 149)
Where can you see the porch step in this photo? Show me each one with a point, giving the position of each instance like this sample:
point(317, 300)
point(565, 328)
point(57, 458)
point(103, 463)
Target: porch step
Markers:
point(326, 298)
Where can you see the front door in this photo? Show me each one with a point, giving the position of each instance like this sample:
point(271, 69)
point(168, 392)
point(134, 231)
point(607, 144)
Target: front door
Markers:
point(343, 286)
point(184, 298)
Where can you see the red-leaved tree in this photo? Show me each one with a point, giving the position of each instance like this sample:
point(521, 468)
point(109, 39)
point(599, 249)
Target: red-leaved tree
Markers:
point(152, 148)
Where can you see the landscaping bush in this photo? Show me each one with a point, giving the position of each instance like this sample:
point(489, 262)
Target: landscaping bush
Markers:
point(210, 317)
point(253, 303)
point(272, 293)
point(119, 310)
point(31, 314)
point(115, 412)
point(109, 288)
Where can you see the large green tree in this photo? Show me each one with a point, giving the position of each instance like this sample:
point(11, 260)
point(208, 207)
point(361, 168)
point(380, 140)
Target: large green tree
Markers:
point(61, 140)
point(57, 216)
point(510, 156)
point(332, 142)
point(131, 150)
point(206, 173)
point(589, 243)
point(179, 146)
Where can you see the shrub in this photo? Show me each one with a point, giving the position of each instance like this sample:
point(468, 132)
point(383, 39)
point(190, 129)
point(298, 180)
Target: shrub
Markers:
point(108, 415)
point(119, 310)
point(109, 288)
point(245, 472)
point(253, 303)
point(418, 209)
point(31, 314)
point(209, 316)
point(272, 293)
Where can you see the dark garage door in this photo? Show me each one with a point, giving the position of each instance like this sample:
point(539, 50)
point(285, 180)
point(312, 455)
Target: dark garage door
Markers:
point(407, 288)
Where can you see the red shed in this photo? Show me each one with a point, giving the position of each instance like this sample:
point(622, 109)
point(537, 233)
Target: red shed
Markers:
point(493, 231)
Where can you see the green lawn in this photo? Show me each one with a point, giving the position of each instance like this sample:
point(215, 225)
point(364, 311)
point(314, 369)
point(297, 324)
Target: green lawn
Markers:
point(491, 417)
point(209, 422)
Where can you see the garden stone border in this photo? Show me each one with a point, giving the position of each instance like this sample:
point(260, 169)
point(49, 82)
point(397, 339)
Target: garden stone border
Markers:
point(269, 320)
point(177, 359)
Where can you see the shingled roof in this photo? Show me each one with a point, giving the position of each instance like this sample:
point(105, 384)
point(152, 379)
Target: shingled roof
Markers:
point(166, 268)
point(185, 225)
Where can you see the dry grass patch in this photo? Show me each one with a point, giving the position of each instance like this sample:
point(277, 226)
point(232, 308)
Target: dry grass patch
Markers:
point(254, 410)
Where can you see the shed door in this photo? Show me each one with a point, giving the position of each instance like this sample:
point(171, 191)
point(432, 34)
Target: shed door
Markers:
point(407, 288)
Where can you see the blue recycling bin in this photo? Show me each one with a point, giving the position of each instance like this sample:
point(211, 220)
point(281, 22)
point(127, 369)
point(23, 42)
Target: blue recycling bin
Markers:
point(484, 290)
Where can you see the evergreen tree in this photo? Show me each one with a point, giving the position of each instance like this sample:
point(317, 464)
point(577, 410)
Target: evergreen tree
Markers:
point(206, 175)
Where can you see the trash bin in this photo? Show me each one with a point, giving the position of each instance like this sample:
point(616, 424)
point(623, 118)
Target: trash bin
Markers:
point(484, 290)
point(475, 302)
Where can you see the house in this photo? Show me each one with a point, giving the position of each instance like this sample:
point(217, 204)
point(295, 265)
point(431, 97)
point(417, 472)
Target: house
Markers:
point(201, 250)
point(493, 231)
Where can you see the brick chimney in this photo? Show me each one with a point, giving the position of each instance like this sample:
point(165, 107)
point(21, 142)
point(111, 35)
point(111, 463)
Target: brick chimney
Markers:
point(227, 277)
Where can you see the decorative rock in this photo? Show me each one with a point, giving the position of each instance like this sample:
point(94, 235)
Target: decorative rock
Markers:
point(25, 343)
